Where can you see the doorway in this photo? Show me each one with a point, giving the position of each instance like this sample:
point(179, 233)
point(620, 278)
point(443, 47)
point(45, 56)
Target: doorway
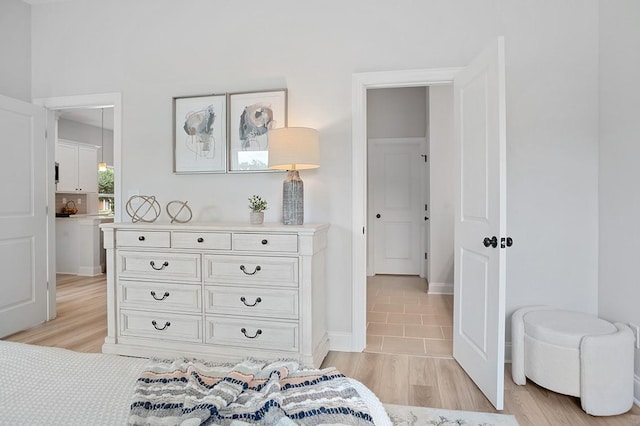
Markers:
point(361, 84)
point(409, 179)
point(87, 102)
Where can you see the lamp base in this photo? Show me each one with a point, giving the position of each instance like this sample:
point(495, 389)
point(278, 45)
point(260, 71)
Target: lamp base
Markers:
point(292, 199)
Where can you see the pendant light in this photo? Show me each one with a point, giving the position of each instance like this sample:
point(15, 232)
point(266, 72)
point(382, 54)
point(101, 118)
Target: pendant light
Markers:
point(102, 166)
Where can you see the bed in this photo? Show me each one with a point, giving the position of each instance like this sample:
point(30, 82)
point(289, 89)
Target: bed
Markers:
point(54, 386)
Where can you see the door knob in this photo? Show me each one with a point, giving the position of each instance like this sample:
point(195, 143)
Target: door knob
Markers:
point(506, 242)
point(493, 241)
point(378, 215)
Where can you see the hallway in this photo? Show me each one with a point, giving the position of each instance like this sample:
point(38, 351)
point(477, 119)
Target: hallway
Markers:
point(403, 319)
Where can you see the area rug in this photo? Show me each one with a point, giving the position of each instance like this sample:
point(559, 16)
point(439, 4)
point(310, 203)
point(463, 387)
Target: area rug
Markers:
point(404, 415)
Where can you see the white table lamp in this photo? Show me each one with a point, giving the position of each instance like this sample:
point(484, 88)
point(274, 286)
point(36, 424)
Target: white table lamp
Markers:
point(293, 149)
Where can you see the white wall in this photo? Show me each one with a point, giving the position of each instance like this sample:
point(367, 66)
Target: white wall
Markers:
point(441, 156)
point(84, 133)
point(15, 49)
point(153, 50)
point(618, 282)
point(397, 112)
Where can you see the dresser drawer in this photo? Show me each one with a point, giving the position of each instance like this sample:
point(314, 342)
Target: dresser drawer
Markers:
point(159, 239)
point(160, 296)
point(201, 240)
point(161, 325)
point(159, 266)
point(251, 270)
point(266, 242)
point(253, 302)
point(251, 333)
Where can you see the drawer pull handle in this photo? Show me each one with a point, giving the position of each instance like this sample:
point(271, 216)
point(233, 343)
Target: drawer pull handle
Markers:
point(200, 240)
point(153, 265)
point(243, 269)
point(243, 300)
point(166, 294)
point(141, 238)
point(155, 325)
point(244, 331)
point(265, 242)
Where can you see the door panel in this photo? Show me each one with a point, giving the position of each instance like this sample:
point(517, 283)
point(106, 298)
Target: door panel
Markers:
point(23, 218)
point(479, 279)
point(397, 198)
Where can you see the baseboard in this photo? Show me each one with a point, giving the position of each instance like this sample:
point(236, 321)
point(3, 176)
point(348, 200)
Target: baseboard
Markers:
point(89, 271)
point(440, 288)
point(340, 342)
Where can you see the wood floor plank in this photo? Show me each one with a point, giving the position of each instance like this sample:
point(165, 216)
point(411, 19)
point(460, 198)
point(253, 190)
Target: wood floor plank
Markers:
point(402, 379)
point(394, 378)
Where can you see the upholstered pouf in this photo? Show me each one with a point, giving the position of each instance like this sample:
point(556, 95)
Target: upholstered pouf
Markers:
point(576, 354)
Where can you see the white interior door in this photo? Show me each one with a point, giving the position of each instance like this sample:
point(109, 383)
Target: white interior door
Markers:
point(396, 186)
point(479, 279)
point(23, 216)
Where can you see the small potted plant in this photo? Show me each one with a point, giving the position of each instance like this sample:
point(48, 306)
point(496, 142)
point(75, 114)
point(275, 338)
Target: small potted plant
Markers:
point(257, 206)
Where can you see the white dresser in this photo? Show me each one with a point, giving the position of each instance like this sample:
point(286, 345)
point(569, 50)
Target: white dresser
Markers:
point(216, 291)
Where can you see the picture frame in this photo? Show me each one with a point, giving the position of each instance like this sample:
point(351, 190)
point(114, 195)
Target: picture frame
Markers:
point(200, 134)
point(248, 143)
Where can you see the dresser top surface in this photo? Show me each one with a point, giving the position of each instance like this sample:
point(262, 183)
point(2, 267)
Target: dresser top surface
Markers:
point(218, 226)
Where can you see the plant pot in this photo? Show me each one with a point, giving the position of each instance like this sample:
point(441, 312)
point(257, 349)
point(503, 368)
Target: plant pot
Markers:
point(256, 218)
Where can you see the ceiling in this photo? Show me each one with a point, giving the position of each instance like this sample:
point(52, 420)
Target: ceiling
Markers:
point(90, 116)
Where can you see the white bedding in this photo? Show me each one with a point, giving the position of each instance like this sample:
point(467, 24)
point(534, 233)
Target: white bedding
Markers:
point(53, 386)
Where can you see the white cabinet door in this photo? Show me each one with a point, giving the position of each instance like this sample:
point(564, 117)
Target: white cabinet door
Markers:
point(87, 169)
point(78, 167)
point(67, 158)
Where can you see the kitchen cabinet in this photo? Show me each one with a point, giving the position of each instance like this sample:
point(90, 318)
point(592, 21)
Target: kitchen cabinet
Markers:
point(79, 244)
point(78, 167)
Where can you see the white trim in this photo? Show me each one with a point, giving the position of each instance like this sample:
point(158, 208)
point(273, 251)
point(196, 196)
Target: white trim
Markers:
point(440, 288)
point(636, 389)
point(340, 342)
point(360, 83)
point(85, 101)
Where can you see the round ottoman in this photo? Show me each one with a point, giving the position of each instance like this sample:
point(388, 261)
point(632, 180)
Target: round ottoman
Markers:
point(576, 354)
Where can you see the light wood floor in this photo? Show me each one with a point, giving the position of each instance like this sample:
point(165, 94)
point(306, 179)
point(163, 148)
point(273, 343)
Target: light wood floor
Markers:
point(395, 378)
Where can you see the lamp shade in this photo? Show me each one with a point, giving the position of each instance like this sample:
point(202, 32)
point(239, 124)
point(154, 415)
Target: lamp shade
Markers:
point(293, 148)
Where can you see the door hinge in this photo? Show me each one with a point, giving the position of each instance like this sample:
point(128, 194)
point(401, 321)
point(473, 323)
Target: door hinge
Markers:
point(425, 256)
point(424, 156)
point(363, 230)
point(46, 134)
point(46, 210)
point(47, 285)
point(426, 207)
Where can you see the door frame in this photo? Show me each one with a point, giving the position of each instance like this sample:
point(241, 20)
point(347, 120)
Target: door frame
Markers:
point(360, 83)
point(83, 101)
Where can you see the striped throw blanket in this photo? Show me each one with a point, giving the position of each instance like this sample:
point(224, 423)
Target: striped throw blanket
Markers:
point(189, 393)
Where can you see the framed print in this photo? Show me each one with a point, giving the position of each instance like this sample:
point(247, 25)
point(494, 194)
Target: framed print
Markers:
point(251, 115)
point(200, 134)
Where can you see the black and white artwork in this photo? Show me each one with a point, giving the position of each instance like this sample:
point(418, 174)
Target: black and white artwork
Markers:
point(200, 134)
point(251, 116)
